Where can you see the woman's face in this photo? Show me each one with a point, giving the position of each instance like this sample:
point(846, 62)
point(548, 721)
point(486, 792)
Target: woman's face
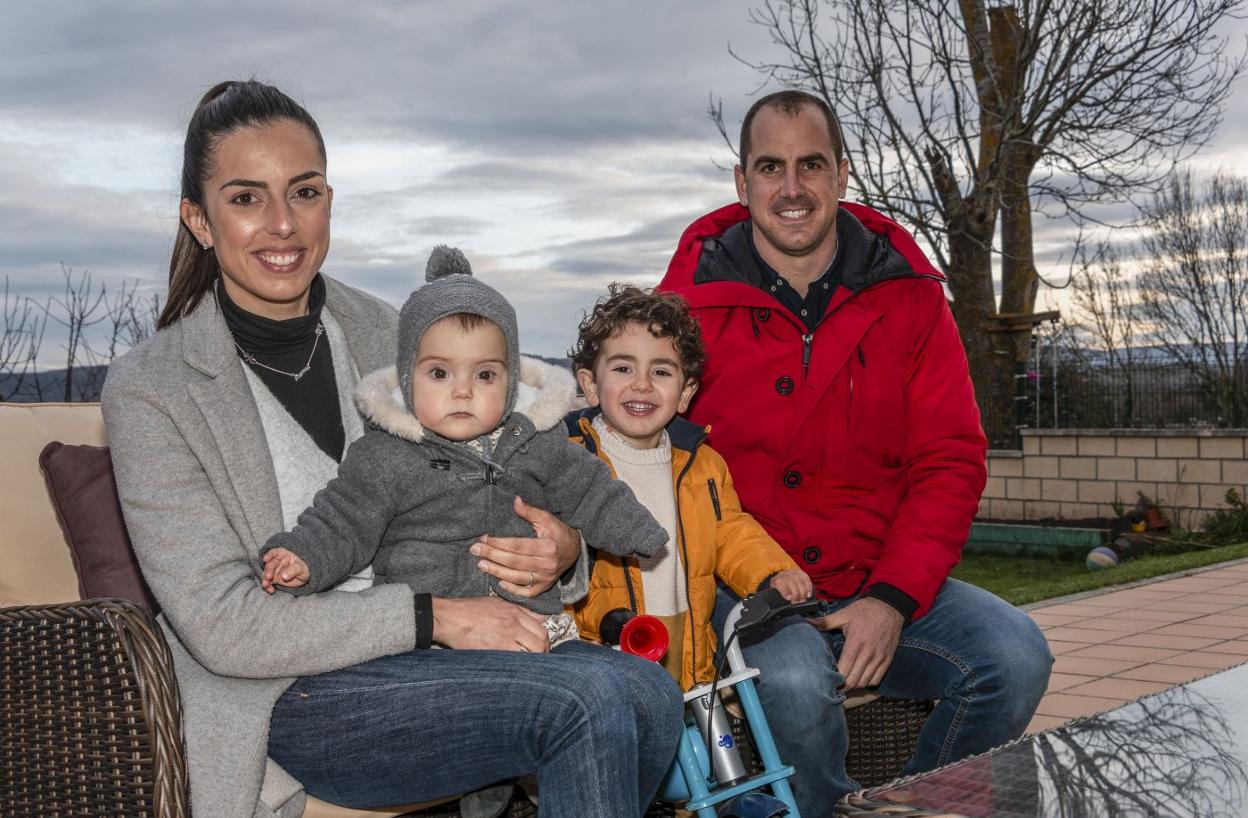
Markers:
point(266, 216)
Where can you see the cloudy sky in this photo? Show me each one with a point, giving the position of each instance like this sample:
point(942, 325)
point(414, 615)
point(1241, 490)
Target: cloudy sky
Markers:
point(562, 145)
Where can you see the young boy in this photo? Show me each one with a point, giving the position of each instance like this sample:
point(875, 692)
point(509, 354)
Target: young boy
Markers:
point(638, 359)
point(447, 457)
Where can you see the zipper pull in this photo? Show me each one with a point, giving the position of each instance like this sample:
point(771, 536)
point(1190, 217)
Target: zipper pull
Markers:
point(806, 339)
point(710, 484)
point(862, 359)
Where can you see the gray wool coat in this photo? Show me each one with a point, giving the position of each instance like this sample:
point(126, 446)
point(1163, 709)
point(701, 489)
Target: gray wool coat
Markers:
point(200, 498)
point(410, 502)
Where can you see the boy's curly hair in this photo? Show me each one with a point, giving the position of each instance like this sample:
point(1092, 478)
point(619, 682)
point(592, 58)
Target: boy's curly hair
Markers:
point(666, 315)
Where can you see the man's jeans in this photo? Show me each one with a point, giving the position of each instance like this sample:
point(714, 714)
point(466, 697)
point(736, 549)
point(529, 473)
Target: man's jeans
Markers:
point(985, 661)
point(598, 728)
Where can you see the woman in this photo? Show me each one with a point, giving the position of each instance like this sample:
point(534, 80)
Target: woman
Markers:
point(222, 427)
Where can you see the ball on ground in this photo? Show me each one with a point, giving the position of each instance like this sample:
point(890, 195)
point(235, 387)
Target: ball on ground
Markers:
point(1100, 558)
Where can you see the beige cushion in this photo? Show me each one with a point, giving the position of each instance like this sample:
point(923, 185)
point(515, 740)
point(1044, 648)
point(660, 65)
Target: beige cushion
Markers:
point(36, 560)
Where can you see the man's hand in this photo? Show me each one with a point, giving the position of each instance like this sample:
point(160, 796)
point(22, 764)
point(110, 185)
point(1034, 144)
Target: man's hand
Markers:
point(528, 566)
point(794, 585)
point(872, 630)
point(282, 567)
point(488, 623)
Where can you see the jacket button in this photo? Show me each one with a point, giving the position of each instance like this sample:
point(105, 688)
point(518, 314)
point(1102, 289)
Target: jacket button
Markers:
point(784, 385)
point(792, 479)
point(811, 555)
point(763, 313)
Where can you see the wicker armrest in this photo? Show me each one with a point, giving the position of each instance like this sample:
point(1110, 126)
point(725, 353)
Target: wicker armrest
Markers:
point(90, 722)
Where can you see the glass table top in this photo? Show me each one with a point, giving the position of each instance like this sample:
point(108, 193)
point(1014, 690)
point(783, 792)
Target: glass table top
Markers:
point(1182, 752)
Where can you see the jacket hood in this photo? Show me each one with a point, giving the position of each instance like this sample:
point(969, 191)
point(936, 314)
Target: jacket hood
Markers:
point(684, 434)
point(716, 248)
point(544, 394)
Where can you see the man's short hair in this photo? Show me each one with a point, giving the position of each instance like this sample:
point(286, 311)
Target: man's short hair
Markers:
point(790, 103)
point(665, 315)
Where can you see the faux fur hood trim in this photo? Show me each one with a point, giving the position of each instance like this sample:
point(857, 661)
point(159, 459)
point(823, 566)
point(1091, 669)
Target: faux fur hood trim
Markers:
point(546, 394)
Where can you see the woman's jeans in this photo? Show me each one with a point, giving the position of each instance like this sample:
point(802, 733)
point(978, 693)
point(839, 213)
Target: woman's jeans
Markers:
point(985, 660)
point(598, 728)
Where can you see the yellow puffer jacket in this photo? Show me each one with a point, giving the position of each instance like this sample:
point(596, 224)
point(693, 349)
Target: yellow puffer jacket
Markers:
point(715, 539)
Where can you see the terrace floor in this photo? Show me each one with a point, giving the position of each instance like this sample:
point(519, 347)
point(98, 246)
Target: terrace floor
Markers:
point(1116, 645)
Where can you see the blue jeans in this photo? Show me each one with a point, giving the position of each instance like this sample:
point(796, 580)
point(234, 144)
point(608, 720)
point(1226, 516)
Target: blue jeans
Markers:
point(984, 659)
point(598, 727)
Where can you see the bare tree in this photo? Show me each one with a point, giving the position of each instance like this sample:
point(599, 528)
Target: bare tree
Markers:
point(20, 338)
point(98, 325)
point(1194, 286)
point(960, 114)
point(1105, 316)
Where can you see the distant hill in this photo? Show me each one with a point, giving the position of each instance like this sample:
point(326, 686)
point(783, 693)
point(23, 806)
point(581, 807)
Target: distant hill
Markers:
point(49, 385)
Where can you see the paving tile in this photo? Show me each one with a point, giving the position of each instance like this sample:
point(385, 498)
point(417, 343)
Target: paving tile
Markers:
point(1060, 681)
point(1211, 661)
point(1172, 674)
point(1106, 601)
point(1193, 605)
point(1084, 666)
point(1162, 640)
point(1126, 653)
point(1229, 620)
point(1048, 620)
point(1118, 688)
point(1164, 617)
point(1075, 609)
point(1058, 647)
point(1039, 724)
point(1237, 647)
point(1071, 706)
point(1113, 625)
point(1199, 631)
point(1086, 635)
point(1225, 595)
point(1203, 582)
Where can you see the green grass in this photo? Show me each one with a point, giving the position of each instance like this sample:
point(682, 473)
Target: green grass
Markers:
point(1021, 580)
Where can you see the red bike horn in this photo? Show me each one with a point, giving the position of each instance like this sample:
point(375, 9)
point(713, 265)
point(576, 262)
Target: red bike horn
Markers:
point(640, 635)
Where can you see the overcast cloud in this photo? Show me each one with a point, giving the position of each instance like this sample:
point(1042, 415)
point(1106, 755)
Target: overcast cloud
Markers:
point(562, 145)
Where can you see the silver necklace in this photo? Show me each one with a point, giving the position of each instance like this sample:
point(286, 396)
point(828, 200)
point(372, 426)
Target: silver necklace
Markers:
point(251, 359)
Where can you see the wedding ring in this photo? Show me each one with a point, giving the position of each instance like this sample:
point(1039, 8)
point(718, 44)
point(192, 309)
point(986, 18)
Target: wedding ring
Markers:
point(522, 647)
point(531, 579)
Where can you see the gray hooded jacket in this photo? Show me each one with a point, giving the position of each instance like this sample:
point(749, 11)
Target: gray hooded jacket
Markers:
point(411, 502)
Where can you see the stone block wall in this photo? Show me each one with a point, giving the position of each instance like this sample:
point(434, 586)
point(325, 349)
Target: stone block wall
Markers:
point(1080, 473)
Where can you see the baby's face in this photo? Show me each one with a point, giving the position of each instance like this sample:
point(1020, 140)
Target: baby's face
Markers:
point(459, 381)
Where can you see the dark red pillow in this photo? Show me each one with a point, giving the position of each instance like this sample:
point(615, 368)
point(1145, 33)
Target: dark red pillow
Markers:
point(84, 494)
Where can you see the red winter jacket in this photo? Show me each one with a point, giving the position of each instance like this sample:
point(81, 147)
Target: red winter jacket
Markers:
point(858, 447)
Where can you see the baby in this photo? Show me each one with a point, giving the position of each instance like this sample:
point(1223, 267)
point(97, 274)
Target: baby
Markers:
point(449, 454)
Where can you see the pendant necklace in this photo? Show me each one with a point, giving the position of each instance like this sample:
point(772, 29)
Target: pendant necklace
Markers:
point(251, 359)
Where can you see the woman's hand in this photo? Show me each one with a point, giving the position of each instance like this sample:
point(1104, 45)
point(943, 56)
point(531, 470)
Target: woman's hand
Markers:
point(488, 623)
point(528, 566)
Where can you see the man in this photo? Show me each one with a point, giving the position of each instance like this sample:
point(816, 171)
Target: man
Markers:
point(837, 389)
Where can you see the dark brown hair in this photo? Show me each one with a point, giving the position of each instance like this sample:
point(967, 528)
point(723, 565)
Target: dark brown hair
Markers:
point(226, 107)
point(666, 315)
point(790, 103)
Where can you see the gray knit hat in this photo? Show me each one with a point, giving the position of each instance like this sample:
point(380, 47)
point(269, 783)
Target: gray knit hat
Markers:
point(452, 289)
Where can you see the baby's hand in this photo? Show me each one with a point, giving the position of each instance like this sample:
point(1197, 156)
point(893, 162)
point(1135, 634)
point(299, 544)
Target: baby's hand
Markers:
point(283, 568)
point(794, 585)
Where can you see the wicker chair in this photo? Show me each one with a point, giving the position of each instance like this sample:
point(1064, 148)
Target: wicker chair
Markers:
point(89, 716)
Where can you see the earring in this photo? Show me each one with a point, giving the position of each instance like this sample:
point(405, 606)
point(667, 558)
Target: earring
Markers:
point(204, 244)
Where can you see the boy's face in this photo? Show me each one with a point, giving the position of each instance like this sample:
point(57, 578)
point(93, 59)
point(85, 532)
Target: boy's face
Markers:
point(638, 383)
point(459, 381)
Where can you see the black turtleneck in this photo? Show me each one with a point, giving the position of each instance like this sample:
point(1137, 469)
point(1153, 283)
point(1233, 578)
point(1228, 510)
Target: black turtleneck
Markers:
point(287, 345)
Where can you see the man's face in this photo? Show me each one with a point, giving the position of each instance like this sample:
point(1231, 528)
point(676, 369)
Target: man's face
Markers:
point(792, 183)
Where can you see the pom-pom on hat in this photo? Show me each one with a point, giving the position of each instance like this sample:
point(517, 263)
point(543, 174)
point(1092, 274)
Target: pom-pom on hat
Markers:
point(452, 289)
